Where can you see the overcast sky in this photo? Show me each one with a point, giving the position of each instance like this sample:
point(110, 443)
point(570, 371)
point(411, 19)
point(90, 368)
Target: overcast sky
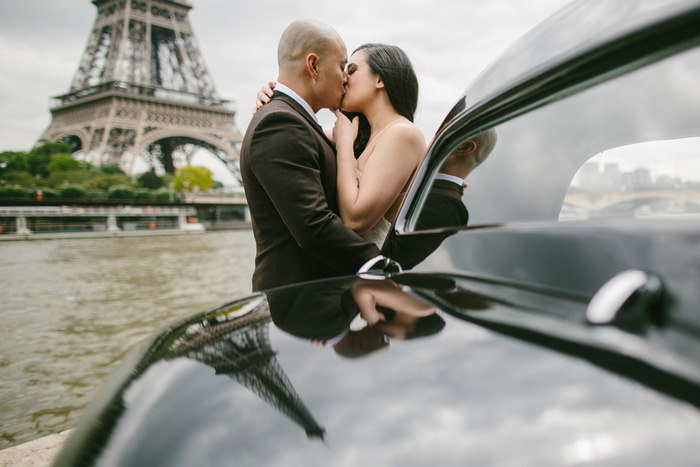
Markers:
point(449, 42)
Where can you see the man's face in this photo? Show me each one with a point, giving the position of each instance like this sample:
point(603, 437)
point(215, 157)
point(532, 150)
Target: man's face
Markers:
point(332, 77)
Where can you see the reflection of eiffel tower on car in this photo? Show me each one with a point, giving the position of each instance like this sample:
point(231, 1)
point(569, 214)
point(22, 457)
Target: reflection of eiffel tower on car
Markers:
point(240, 348)
point(142, 89)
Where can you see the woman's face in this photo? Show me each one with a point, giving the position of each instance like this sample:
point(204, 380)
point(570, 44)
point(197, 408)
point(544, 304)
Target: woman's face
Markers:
point(362, 84)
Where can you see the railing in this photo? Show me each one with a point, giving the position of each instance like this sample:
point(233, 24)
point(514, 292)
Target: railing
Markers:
point(77, 211)
point(141, 90)
point(33, 222)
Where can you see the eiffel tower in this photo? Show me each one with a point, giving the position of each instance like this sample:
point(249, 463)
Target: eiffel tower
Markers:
point(240, 349)
point(142, 89)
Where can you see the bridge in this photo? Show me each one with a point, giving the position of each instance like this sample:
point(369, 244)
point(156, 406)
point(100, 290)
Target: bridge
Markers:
point(666, 200)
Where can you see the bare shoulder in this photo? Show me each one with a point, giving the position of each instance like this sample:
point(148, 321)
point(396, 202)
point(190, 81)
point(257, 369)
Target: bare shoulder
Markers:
point(406, 135)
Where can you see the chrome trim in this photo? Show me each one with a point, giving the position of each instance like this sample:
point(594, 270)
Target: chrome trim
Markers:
point(610, 298)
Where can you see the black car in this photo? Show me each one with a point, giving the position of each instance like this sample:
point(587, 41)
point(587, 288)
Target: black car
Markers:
point(549, 316)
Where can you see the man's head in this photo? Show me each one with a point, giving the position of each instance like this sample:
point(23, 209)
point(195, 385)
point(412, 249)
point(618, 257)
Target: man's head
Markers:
point(470, 154)
point(312, 58)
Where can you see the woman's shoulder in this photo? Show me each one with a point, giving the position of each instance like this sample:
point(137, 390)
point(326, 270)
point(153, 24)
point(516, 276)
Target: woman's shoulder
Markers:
point(406, 132)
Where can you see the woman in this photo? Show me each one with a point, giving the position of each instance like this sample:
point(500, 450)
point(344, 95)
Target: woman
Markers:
point(382, 88)
point(378, 146)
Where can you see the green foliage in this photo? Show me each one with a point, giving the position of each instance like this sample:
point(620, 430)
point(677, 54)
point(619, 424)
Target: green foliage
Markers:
point(39, 158)
point(144, 195)
point(52, 169)
point(189, 178)
point(66, 162)
point(14, 192)
point(113, 170)
point(72, 192)
point(11, 161)
point(62, 163)
point(18, 178)
point(60, 179)
point(150, 180)
point(121, 192)
point(105, 182)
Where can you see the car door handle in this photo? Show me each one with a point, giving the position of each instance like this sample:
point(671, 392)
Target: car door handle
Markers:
point(378, 268)
point(608, 305)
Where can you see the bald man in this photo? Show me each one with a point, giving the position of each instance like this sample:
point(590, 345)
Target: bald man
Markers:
point(288, 166)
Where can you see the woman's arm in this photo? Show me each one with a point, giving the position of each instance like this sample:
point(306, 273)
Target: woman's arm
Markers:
point(388, 168)
point(264, 95)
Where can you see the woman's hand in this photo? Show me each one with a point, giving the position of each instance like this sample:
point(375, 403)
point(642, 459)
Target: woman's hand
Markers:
point(345, 131)
point(264, 95)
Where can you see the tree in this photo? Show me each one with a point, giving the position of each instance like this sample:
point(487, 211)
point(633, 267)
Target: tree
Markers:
point(105, 182)
point(11, 161)
point(113, 170)
point(13, 192)
point(189, 178)
point(150, 180)
point(62, 163)
point(68, 177)
point(40, 157)
point(17, 178)
point(72, 192)
point(121, 193)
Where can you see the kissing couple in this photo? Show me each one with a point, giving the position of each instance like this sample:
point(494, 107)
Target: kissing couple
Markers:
point(323, 201)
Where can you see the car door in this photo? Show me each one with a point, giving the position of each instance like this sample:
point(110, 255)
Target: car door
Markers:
point(588, 192)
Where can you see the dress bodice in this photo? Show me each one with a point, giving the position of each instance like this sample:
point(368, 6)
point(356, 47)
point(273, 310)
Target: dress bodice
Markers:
point(378, 233)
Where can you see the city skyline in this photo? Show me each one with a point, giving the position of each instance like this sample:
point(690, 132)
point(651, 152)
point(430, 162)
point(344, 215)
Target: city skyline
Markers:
point(653, 162)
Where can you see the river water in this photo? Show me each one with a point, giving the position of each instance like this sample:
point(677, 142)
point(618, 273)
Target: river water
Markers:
point(71, 310)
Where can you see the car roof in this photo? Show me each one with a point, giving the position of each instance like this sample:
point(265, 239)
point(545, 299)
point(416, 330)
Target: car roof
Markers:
point(581, 26)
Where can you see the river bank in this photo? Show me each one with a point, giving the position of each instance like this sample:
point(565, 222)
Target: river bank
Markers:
point(38, 453)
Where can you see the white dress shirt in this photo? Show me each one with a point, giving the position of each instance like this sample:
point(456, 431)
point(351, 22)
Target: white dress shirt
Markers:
point(449, 178)
point(288, 91)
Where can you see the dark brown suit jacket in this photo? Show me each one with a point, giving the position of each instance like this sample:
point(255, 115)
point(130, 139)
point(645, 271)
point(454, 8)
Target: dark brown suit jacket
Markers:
point(288, 168)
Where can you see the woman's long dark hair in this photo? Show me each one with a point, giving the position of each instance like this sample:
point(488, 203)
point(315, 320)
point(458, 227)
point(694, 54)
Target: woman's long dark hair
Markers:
point(396, 71)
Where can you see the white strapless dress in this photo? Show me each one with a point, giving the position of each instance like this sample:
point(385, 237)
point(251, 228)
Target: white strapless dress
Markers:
point(378, 233)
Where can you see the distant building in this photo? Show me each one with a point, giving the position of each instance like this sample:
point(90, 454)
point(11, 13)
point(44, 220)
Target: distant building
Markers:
point(612, 175)
point(641, 176)
point(590, 175)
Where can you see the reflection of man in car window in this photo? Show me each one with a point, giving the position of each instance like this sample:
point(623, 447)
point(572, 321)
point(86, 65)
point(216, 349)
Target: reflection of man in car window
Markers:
point(444, 207)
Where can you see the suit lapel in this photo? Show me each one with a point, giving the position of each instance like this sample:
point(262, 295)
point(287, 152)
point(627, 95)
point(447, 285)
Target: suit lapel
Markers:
point(299, 109)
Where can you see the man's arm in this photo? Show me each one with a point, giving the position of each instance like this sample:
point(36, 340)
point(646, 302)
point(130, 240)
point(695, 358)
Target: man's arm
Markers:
point(285, 158)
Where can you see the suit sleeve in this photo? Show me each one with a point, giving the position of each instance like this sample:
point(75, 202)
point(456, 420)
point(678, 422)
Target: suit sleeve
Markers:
point(285, 158)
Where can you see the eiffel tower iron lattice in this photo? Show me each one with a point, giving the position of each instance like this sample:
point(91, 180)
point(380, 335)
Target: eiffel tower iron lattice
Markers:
point(143, 89)
point(240, 349)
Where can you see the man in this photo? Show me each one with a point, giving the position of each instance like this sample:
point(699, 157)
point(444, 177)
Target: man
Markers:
point(444, 206)
point(288, 166)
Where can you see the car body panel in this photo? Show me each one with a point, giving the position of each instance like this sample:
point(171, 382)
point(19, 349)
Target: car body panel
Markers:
point(234, 386)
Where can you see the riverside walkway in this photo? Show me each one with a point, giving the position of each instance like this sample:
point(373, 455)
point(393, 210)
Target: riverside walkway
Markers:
point(38, 453)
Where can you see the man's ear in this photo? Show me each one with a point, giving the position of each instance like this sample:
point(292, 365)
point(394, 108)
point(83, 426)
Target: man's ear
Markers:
point(469, 147)
point(312, 65)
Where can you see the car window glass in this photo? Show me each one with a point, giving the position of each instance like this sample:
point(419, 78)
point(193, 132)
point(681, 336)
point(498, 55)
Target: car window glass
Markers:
point(536, 156)
point(656, 179)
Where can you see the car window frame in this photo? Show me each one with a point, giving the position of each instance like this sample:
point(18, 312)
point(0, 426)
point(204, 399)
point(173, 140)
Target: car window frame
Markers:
point(598, 64)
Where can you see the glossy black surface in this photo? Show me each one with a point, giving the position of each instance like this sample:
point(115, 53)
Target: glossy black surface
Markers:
point(245, 385)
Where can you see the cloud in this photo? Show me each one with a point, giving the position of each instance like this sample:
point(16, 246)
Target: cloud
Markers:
point(449, 42)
